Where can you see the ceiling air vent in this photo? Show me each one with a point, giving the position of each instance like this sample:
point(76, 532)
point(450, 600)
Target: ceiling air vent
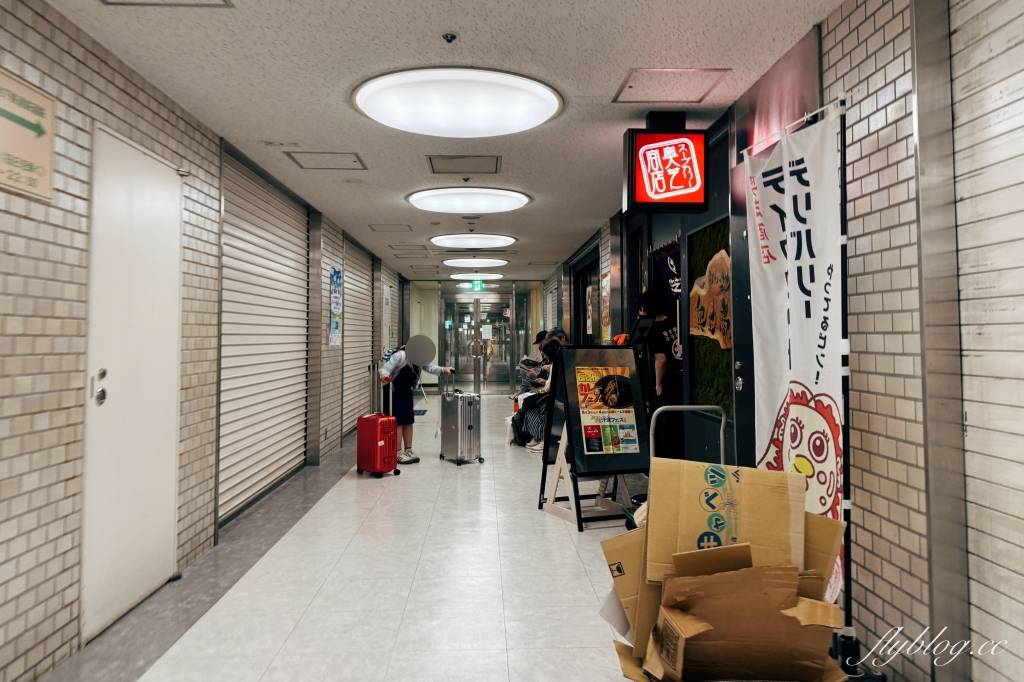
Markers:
point(669, 86)
point(326, 160)
point(408, 247)
point(475, 165)
point(409, 254)
point(391, 228)
point(168, 3)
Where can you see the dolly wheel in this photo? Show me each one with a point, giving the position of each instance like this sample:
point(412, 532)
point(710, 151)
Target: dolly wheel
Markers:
point(397, 471)
point(359, 472)
point(480, 459)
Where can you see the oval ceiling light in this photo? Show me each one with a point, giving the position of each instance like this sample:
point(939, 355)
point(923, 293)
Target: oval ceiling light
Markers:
point(457, 102)
point(468, 200)
point(472, 241)
point(475, 275)
point(475, 262)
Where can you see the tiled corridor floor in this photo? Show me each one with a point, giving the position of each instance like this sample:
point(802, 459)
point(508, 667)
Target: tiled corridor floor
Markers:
point(443, 573)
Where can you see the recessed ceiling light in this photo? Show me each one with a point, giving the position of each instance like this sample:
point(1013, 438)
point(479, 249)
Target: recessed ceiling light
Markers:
point(475, 275)
point(475, 262)
point(457, 102)
point(469, 285)
point(472, 241)
point(463, 199)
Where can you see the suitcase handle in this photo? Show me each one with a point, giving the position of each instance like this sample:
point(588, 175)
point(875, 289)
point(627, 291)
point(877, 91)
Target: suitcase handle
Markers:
point(449, 381)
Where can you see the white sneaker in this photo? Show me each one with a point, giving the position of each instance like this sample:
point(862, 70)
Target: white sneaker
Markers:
point(537, 447)
point(533, 441)
point(407, 457)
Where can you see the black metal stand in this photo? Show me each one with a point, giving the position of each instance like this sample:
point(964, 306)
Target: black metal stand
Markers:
point(848, 646)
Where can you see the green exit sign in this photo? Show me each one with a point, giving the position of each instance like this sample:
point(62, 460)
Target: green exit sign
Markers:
point(478, 285)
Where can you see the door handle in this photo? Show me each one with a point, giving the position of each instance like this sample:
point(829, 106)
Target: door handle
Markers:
point(101, 395)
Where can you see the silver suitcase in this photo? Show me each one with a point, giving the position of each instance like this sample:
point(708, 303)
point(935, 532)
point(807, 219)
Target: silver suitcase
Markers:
point(460, 427)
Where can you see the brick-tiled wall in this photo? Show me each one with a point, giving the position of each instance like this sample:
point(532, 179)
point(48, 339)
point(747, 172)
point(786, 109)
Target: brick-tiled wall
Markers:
point(866, 52)
point(43, 296)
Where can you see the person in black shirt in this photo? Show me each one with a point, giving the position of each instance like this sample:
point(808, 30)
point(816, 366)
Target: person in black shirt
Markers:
point(666, 348)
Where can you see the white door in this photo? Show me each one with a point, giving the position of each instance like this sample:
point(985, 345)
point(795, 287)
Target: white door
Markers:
point(131, 438)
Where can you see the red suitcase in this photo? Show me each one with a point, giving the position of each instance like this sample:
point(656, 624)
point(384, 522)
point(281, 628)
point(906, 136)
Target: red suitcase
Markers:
point(377, 444)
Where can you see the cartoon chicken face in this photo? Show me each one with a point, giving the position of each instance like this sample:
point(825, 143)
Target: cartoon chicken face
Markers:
point(806, 440)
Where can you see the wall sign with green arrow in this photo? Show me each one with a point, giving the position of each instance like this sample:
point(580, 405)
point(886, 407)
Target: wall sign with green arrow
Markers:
point(26, 138)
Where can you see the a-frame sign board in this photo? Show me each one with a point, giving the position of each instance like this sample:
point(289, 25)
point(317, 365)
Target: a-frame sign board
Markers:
point(596, 431)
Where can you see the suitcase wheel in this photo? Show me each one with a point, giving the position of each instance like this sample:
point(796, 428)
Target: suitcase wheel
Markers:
point(480, 459)
point(441, 456)
point(458, 462)
point(397, 471)
point(359, 471)
point(379, 474)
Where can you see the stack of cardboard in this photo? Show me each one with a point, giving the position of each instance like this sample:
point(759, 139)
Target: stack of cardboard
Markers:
point(726, 580)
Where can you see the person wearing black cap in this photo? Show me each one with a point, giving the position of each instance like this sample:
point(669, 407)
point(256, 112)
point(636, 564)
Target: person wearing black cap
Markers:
point(536, 359)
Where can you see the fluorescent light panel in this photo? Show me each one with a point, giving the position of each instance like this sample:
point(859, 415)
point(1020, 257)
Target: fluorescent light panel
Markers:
point(457, 102)
point(472, 241)
point(475, 262)
point(468, 200)
point(475, 275)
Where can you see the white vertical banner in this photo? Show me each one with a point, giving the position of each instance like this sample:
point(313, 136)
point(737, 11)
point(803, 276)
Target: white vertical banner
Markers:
point(793, 218)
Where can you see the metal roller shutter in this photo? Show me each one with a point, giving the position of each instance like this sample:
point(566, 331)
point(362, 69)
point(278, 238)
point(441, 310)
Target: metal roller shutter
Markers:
point(265, 292)
point(358, 332)
point(987, 43)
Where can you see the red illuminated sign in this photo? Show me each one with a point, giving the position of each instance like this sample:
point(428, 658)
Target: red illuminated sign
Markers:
point(665, 172)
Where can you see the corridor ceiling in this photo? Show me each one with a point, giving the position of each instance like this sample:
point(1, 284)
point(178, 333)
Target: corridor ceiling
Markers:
point(283, 71)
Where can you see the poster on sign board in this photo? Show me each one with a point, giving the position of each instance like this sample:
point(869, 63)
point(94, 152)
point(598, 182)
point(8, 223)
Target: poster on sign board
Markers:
point(598, 407)
point(794, 224)
point(589, 298)
point(607, 411)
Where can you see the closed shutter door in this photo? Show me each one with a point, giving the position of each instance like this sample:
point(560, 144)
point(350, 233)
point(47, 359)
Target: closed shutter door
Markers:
point(988, 139)
point(389, 325)
point(263, 337)
point(358, 330)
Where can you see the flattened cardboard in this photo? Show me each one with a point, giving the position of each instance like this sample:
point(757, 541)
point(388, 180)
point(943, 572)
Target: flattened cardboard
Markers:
point(632, 667)
point(674, 628)
point(647, 603)
point(815, 612)
point(711, 561)
point(823, 537)
point(696, 506)
point(625, 554)
point(752, 637)
point(652, 661)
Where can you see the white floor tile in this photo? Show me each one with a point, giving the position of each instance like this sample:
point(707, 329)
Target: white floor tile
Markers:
point(443, 574)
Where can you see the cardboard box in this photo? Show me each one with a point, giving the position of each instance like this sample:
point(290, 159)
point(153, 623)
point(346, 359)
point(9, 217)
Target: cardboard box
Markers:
point(647, 604)
point(624, 554)
point(700, 506)
point(632, 667)
point(745, 624)
point(823, 538)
